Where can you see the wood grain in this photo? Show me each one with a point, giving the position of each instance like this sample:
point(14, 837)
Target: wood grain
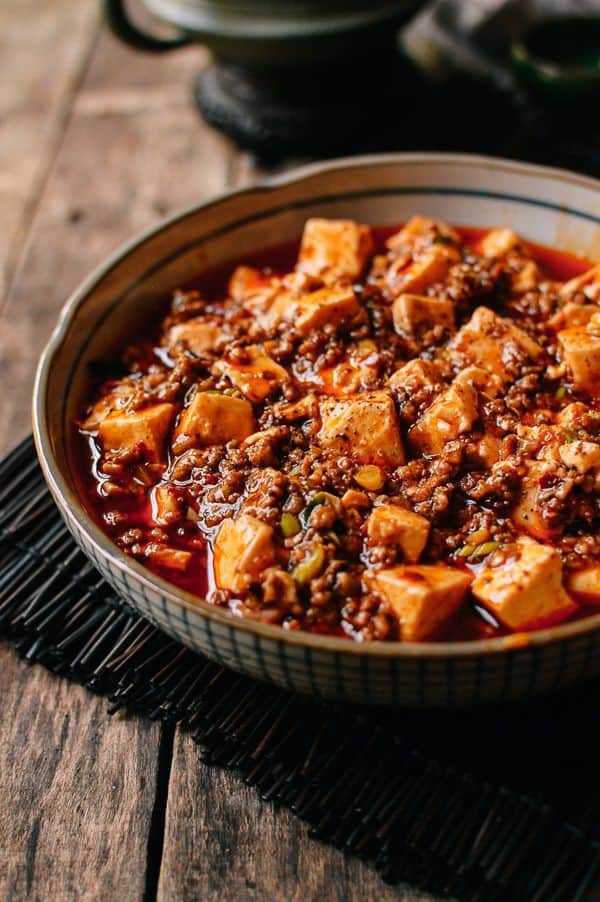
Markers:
point(124, 164)
point(36, 92)
point(222, 842)
point(84, 799)
point(77, 791)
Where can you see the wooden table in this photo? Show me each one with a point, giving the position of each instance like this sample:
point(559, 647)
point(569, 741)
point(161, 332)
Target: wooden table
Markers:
point(96, 143)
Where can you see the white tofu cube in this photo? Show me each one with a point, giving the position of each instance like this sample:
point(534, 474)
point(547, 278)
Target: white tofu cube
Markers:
point(527, 514)
point(570, 416)
point(328, 305)
point(167, 506)
point(495, 344)
point(423, 598)
point(118, 398)
point(146, 429)
point(266, 296)
point(580, 347)
point(365, 426)
point(248, 284)
point(418, 231)
point(523, 588)
point(487, 450)
point(450, 415)
point(280, 308)
point(588, 282)
point(428, 268)
point(414, 376)
point(197, 335)
point(243, 549)
point(414, 311)
point(586, 584)
point(258, 378)
point(165, 556)
point(333, 249)
point(581, 456)
point(498, 242)
point(574, 315)
point(213, 419)
point(389, 524)
point(335, 306)
point(527, 278)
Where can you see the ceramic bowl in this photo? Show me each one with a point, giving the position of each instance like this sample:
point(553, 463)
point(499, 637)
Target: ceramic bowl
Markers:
point(544, 205)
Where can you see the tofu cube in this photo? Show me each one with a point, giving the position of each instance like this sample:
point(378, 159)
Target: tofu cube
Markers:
point(499, 242)
point(485, 382)
point(313, 311)
point(527, 278)
point(389, 524)
point(580, 347)
point(328, 305)
point(574, 315)
point(414, 376)
point(259, 293)
point(495, 344)
point(213, 419)
point(487, 450)
point(414, 311)
point(110, 403)
point(418, 231)
point(246, 282)
point(281, 307)
point(333, 249)
point(581, 456)
point(586, 584)
point(524, 589)
point(258, 378)
point(365, 426)
point(167, 507)
point(145, 428)
point(426, 269)
point(164, 556)
point(197, 335)
point(423, 598)
point(588, 282)
point(243, 549)
point(527, 514)
point(452, 414)
point(573, 415)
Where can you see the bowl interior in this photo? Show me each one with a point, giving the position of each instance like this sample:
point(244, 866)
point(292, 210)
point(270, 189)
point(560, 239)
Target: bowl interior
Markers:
point(545, 206)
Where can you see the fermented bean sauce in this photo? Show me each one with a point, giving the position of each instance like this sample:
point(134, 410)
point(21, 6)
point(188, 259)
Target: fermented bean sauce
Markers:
point(384, 434)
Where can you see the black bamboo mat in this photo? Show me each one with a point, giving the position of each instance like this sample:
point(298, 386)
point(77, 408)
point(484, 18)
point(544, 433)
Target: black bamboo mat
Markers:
point(493, 803)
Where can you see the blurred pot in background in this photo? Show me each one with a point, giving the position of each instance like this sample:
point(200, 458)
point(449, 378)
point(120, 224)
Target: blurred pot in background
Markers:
point(288, 75)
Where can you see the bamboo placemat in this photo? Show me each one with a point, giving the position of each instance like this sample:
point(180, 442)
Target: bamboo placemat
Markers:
point(492, 803)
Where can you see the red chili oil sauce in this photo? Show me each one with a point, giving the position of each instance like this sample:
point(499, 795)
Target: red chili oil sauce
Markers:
point(472, 622)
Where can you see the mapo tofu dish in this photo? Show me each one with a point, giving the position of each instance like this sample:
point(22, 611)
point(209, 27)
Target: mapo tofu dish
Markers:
point(384, 434)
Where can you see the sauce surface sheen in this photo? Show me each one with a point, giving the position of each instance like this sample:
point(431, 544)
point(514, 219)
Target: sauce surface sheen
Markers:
point(493, 480)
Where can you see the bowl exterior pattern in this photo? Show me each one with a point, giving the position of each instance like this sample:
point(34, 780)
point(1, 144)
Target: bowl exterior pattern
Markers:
point(358, 678)
point(544, 205)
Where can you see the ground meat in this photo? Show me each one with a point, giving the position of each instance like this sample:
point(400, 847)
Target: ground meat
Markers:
point(287, 424)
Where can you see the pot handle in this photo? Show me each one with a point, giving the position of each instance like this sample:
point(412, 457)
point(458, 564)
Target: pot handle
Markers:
point(117, 19)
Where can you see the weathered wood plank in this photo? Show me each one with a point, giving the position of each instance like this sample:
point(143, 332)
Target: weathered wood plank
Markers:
point(134, 150)
point(44, 46)
point(221, 842)
point(75, 813)
point(77, 791)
